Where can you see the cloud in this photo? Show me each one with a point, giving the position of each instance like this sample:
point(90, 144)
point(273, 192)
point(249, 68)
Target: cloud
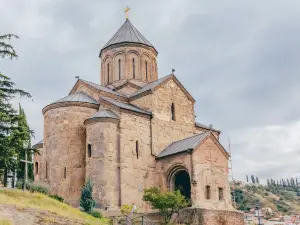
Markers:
point(240, 60)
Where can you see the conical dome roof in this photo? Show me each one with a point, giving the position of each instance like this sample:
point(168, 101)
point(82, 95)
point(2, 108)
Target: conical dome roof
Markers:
point(78, 97)
point(127, 33)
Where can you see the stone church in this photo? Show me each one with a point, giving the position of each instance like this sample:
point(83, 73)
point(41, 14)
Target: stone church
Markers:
point(132, 131)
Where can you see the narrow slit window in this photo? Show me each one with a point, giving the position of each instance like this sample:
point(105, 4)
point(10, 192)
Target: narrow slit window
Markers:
point(221, 194)
point(108, 81)
point(89, 150)
point(46, 170)
point(146, 67)
point(119, 69)
point(36, 168)
point(137, 149)
point(133, 67)
point(173, 111)
point(65, 172)
point(207, 192)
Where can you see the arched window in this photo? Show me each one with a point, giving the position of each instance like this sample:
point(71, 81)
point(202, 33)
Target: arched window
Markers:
point(46, 170)
point(108, 81)
point(89, 150)
point(137, 149)
point(65, 172)
point(207, 192)
point(146, 69)
point(221, 194)
point(36, 165)
point(173, 111)
point(133, 67)
point(119, 69)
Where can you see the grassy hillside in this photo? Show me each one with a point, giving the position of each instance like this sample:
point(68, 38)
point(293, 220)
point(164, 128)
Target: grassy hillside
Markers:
point(36, 208)
point(281, 201)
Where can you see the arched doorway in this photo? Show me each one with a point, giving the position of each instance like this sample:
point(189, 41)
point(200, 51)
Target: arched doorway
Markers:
point(180, 180)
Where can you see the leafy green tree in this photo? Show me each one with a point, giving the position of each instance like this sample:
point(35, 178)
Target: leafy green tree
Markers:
point(166, 202)
point(86, 200)
point(11, 135)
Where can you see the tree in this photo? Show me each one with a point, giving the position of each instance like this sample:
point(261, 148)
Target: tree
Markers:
point(166, 202)
point(11, 135)
point(253, 179)
point(288, 182)
point(247, 179)
point(268, 182)
point(86, 200)
point(257, 180)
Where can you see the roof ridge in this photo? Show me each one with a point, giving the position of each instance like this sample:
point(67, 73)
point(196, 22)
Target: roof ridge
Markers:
point(191, 137)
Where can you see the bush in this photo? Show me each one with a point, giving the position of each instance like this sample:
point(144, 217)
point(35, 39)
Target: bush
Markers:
point(96, 214)
point(56, 197)
point(32, 187)
point(86, 200)
point(126, 209)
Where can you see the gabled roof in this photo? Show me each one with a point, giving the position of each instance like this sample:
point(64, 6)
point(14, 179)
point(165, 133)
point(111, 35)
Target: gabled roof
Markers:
point(206, 127)
point(38, 145)
point(78, 97)
point(184, 145)
point(127, 106)
point(105, 113)
point(155, 84)
point(127, 33)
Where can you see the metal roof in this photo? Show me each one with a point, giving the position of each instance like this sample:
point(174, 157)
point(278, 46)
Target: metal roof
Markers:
point(105, 113)
point(186, 144)
point(151, 85)
point(78, 97)
point(39, 143)
point(127, 106)
point(205, 127)
point(102, 88)
point(127, 33)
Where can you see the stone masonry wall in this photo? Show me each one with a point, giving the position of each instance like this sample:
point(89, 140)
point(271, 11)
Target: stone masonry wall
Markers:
point(103, 164)
point(40, 159)
point(64, 144)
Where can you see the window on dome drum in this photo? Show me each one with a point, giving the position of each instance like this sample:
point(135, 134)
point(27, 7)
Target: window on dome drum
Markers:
point(65, 172)
point(173, 111)
point(46, 170)
point(133, 67)
point(89, 150)
point(221, 194)
point(146, 67)
point(137, 149)
point(108, 73)
point(119, 69)
point(207, 192)
point(36, 165)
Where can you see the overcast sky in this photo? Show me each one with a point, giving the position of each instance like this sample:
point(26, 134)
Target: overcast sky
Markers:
point(239, 59)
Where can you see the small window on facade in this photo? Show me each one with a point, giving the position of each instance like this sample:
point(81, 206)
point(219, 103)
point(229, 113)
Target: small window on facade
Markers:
point(207, 192)
point(119, 69)
point(36, 168)
point(146, 67)
point(65, 172)
point(133, 67)
point(89, 150)
point(46, 170)
point(137, 149)
point(173, 111)
point(108, 81)
point(221, 194)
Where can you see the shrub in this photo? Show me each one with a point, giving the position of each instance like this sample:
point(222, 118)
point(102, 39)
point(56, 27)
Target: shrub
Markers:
point(126, 209)
point(96, 214)
point(86, 200)
point(165, 201)
point(56, 197)
point(32, 187)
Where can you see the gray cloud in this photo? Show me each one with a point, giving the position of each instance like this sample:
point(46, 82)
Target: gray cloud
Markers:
point(240, 60)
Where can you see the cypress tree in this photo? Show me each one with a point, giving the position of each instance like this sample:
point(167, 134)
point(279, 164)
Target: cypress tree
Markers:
point(86, 200)
point(253, 179)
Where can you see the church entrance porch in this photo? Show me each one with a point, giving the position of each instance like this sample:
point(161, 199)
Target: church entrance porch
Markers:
point(180, 180)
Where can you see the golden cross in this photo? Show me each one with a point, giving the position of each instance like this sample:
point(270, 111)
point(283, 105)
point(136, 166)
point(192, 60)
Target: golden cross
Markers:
point(126, 11)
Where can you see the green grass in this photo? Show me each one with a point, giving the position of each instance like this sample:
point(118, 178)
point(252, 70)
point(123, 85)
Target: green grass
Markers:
point(42, 202)
point(5, 222)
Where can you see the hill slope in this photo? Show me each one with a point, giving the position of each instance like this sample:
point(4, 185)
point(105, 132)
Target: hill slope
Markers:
point(18, 207)
point(281, 201)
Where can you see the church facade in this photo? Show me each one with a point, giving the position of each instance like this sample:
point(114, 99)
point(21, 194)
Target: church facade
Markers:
point(130, 132)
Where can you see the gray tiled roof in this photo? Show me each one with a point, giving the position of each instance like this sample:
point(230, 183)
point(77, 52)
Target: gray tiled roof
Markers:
point(102, 88)
point(183, 145)
point(39, 143)
point(105, 113)
point(205, 127)
point(78, 97)
point(127, 33)
point(127, 106)
point(151, 85)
